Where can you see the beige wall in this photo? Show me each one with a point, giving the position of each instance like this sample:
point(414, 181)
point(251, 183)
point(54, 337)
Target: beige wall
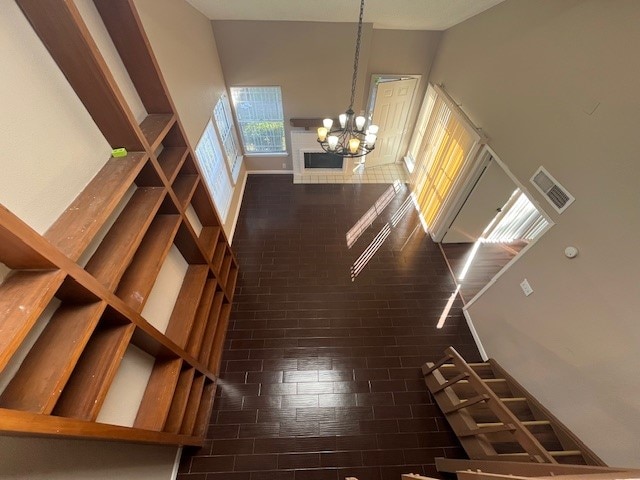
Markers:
point(183, 42)
point(530, 73)
point(313, 63)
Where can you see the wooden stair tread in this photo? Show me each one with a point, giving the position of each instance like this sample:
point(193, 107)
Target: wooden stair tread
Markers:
point(72, 232)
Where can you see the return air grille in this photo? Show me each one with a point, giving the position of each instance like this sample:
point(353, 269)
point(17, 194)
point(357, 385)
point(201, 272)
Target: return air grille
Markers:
point(556, 194)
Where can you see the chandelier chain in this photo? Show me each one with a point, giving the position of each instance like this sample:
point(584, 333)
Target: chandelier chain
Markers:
point(357, 56)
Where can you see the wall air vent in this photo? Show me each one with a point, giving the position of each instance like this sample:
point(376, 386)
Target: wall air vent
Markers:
point(556, 194)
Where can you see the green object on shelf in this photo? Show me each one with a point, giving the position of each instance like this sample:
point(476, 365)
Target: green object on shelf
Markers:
point(119, 152)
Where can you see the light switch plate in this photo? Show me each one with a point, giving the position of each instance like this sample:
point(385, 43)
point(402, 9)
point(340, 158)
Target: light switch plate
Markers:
point(526, 288)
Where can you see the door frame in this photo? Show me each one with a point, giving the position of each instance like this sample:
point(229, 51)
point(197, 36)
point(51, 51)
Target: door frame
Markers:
point(371, 99)
point(488, 152)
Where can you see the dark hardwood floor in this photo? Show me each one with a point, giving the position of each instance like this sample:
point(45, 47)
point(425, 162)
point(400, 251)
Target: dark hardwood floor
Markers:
point(320, 377)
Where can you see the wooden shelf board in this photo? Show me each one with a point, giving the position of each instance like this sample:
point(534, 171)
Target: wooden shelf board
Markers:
point(82, 220)
point(218, 256)
point(156, 126)
point(193, 404)
point(224, 270)
point(48, 365)
point(184, 311)
point(208, 238)
point(183, 187)
point(188, 245)
point(24, 295)
point(138, 280)
point(156, 401)
point(13, 422)
point(210, 330)
point(218, 341)
point(63, 32)
point(204, 410)
point(16, 251)
point(171, 159)
point(179, 402)
point(114, 254)
point(202, 314)
point(231, 282)
point(89, 383)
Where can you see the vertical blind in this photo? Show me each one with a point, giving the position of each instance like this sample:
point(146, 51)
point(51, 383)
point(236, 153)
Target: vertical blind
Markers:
point(444, 147)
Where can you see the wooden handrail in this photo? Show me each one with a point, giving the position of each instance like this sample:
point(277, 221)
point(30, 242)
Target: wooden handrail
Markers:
point(524, 437)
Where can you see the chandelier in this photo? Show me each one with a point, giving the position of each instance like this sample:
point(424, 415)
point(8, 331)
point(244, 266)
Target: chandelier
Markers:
point(351, 139)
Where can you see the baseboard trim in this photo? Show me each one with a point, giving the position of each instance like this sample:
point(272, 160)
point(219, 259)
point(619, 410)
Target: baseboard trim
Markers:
point(270, 172)
point(237, 214)
point(474, 334)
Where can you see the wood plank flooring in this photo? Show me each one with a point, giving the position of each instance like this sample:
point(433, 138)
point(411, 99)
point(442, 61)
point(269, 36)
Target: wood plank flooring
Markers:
point(320, 374)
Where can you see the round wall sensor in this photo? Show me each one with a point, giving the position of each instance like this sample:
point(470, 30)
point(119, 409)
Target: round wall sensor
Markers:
point(571, 252)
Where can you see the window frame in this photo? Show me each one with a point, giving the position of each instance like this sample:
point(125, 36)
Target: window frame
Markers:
point(285, 151)
point(235, 158)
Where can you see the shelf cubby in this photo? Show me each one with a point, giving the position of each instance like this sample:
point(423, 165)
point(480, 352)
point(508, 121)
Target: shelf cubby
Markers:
point(24, 295)
point(155, 405)
point(171, 160)
point(116, 250)
point(196, 337)
point(212, 325)
point(73, 331)
point(82, 220)
point(186, 306)
point(138, 279)
point(156, 126)
point(204, 409)
point(179, 402)
point(38, 382)
point(191, 409)
point(218, 340)
point(89, 383)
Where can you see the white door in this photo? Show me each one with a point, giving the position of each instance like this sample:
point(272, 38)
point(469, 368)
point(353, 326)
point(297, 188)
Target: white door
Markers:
point(393, 102)
point(489, 195)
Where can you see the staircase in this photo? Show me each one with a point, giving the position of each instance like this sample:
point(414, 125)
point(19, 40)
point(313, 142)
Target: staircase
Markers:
point(496, 419)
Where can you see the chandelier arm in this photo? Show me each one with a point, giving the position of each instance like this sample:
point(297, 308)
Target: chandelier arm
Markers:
point(356, 57)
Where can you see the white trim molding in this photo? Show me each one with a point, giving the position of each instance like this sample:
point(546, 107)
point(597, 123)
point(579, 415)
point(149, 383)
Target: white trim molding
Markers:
point(237, 212)
point(474, 334)
point(269, 172)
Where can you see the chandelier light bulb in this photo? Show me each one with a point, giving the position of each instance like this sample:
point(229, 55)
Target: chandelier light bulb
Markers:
point(354, 143)
point(322, 133)
point(333, 142)
point(370, 140)
point(373, 129)
point(343, 119)
point(360, 122)
point(327, 123)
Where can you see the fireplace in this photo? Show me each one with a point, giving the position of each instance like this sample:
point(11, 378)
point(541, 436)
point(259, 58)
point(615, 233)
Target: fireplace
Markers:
point(322, 160)
point(310, 159)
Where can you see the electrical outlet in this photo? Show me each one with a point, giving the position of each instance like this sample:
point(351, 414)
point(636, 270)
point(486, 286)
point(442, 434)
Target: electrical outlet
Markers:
point(526, 288)
point(284, 165)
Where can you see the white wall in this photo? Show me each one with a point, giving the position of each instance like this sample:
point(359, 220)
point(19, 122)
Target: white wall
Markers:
point(530, 74)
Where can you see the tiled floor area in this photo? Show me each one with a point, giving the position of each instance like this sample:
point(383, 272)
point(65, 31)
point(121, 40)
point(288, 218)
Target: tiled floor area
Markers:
point(381, 174)
point(320, 377)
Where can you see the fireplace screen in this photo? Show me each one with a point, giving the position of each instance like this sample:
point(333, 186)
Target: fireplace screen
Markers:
point(322, 160)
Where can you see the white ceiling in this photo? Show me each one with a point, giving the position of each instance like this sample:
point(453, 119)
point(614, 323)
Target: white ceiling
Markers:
point(387, 14)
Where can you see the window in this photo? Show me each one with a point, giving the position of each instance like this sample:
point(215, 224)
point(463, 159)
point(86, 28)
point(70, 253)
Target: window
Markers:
point(226, 130)
point(211, 161)
point(260, 117)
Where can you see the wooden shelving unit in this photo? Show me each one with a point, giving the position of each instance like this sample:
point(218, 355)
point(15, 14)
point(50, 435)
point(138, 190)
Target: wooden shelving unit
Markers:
point(93, 295)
